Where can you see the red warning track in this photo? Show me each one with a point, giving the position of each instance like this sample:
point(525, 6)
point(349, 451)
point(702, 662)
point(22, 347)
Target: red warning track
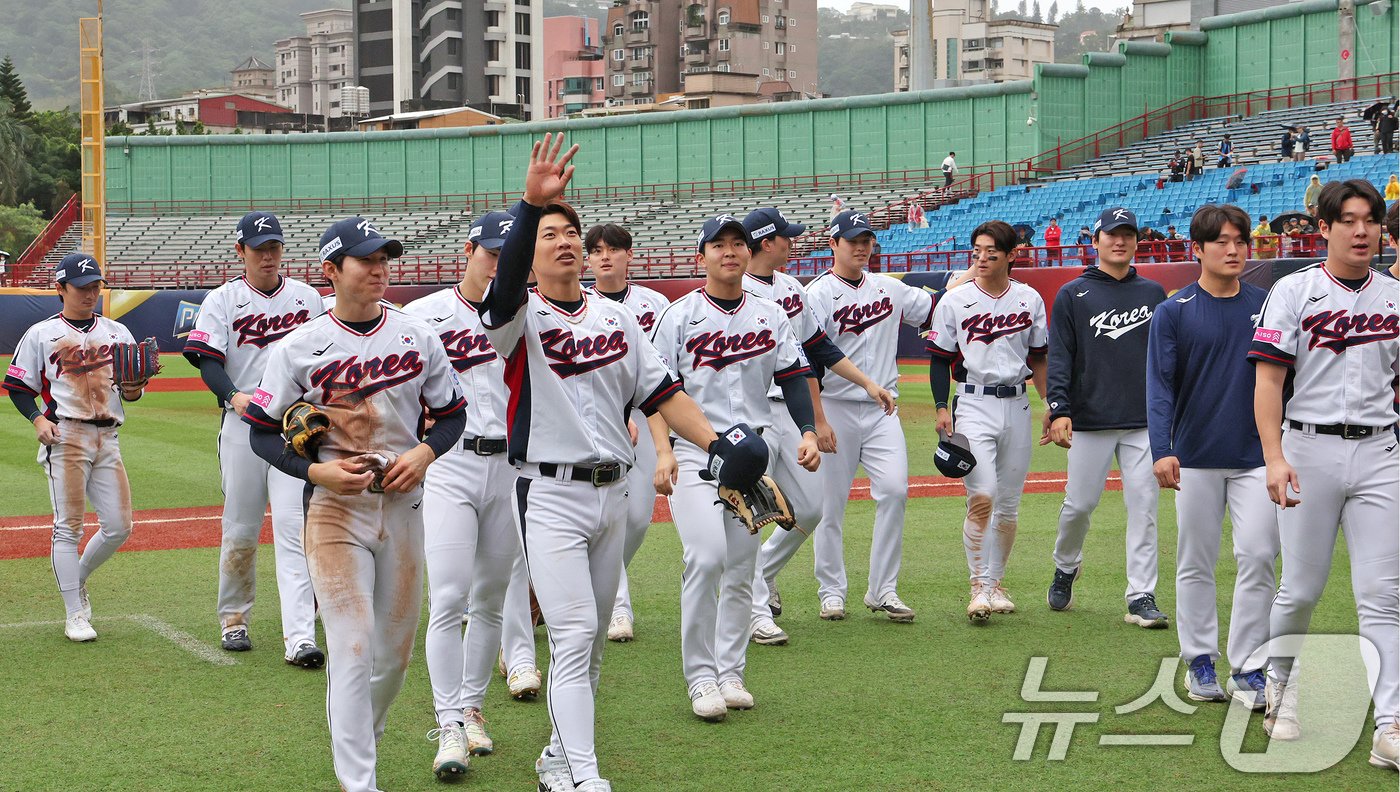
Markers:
point(180, 529)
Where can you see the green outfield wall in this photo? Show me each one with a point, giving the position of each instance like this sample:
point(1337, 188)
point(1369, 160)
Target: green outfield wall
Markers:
point(1287, 45)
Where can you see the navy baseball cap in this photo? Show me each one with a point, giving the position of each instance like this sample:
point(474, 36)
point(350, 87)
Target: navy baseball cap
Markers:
point(953, 455)
point(78, 269)
point(743, 460)
point(490, 230)
point(849, 225)
point(356, 236)
point(1117, 217)
point(718, 223)
point(766, 221)
point(258, 227)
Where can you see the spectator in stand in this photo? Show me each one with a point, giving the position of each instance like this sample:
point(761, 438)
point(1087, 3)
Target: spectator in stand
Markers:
point(1392, 191)
point(1303, 142)
point(1177, 166)
point(1386, 124)
point(1154, 247)
point(1392, 229)
point(1310, 195)
point(1341, 141)
point(1287, 145)
point(916, 216)
point(1265, 242)
point(838, 205)
point(1176, 245)
point(1198, 160)
point(1052, 242)
point(1226, 152)
point(950, 169)
point(5, 265)
point(1086, 246)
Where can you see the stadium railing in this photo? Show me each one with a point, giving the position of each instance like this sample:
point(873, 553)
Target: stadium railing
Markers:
point(71, 212)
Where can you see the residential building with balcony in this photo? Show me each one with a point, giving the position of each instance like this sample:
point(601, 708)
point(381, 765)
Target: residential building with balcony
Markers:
point(574, 71)
point(956, 42)
point(310, 70)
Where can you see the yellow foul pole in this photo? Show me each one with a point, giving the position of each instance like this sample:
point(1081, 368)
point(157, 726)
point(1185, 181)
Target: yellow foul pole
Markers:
point(94, 166)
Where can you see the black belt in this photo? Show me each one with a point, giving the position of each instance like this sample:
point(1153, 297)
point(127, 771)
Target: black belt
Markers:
point(103, 423)
point(597, 475)
point(484, 446)
point(999, 391)
point(1345, 431)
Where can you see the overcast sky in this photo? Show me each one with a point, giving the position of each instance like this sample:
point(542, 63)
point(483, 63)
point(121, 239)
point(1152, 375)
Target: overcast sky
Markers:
point(1105, 5)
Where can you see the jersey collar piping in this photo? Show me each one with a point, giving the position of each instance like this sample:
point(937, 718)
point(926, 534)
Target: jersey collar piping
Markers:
point(383, 316)
point(557, 309)
point(743, 297)
point(1370, 275)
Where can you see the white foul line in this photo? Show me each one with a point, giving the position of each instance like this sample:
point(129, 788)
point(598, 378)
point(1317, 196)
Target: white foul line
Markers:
point(180, 638)
point(151, 521)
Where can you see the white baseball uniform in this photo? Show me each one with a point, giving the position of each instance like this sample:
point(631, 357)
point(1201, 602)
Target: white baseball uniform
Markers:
point(364, 552)
point(863, 319)
point(572, 378)
point(237, 326)
point(728, 359)
point(70, 370)
point(646, 304)
point(988, 338)
point(1343, 350)
point(469, 540)
point(801, 486)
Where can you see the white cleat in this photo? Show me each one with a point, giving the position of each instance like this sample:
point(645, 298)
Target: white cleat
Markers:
point(450, 763)
point(736, 696)
point(478, 741)
point(708, 703)
point(524, 683)
point(1001, 601)
point(765, 631)
point(79, 629)
point(620, 628)
point(1385, 747)
point(85, 602)
point(595, 785)
point(553, 772)
point(892, 606)
point(1281, 711)
point(979, 608)
point(833, 609)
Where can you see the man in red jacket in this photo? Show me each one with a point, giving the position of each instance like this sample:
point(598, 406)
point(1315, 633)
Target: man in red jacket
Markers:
point(1341, 141)
point(1052, 242)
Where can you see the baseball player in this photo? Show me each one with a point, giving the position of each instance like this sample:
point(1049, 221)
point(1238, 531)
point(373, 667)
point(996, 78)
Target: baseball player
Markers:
point(861, 312)
point(609, 249)
point(1200, 419)
point(376, 373)
point(1330, 450)
point(469, 539)
point(990, 336)
point(575, 365)
point(233, 335)
point(770, 243)
point(1097, 380)
point(66, 361)
point(728, 347)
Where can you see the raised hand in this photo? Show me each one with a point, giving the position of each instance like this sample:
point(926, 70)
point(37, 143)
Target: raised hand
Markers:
point(549, 173)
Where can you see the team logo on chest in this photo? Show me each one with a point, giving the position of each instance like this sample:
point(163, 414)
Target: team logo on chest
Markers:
point(792, 304)
point(259, 330)
point(351, 381)
point(79, 360)
point(1115, 324)
point(1338, 330)
point(859, 318)
point(466, 349)
point(987, 327)
point(716, 349)
point(569, 356)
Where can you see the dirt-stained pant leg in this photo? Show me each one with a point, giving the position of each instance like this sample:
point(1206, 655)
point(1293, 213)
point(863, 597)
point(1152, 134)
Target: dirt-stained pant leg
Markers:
point(365, 555)
point(244, 478)
point(67, 464)
point(110, 493)
point(573, 534)
point(298, 601)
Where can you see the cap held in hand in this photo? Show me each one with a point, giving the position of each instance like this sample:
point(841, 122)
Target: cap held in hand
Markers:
point(738, 458)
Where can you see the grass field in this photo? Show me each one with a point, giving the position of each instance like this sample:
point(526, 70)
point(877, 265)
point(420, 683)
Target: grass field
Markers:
point(857, 705)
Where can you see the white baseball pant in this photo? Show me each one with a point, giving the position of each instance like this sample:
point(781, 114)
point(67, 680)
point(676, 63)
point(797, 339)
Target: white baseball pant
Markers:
point(641, 503)
point(248, 484)
point(999, 434)
point(865, 435)
point(801, 488)
point(85, 464)
point(365, 553)
point(716, 583)
point(1200, 509)
point(573, 534)
point(1356, 483)
point(1090, 456)
point(472, 555)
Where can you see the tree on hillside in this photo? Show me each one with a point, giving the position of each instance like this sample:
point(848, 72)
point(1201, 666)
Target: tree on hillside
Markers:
point(12, 89)
point(19, 225)
point(55, 156)
point(1054, 12)
point(14, 154)
point(1084, 30)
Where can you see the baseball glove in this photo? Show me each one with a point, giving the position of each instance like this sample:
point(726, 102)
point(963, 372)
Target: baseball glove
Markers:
point(304, 427)
point(758, 506)
point(137, 362)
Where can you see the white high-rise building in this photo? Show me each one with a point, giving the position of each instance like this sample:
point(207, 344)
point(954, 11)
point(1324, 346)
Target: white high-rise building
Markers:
point(311, 69)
